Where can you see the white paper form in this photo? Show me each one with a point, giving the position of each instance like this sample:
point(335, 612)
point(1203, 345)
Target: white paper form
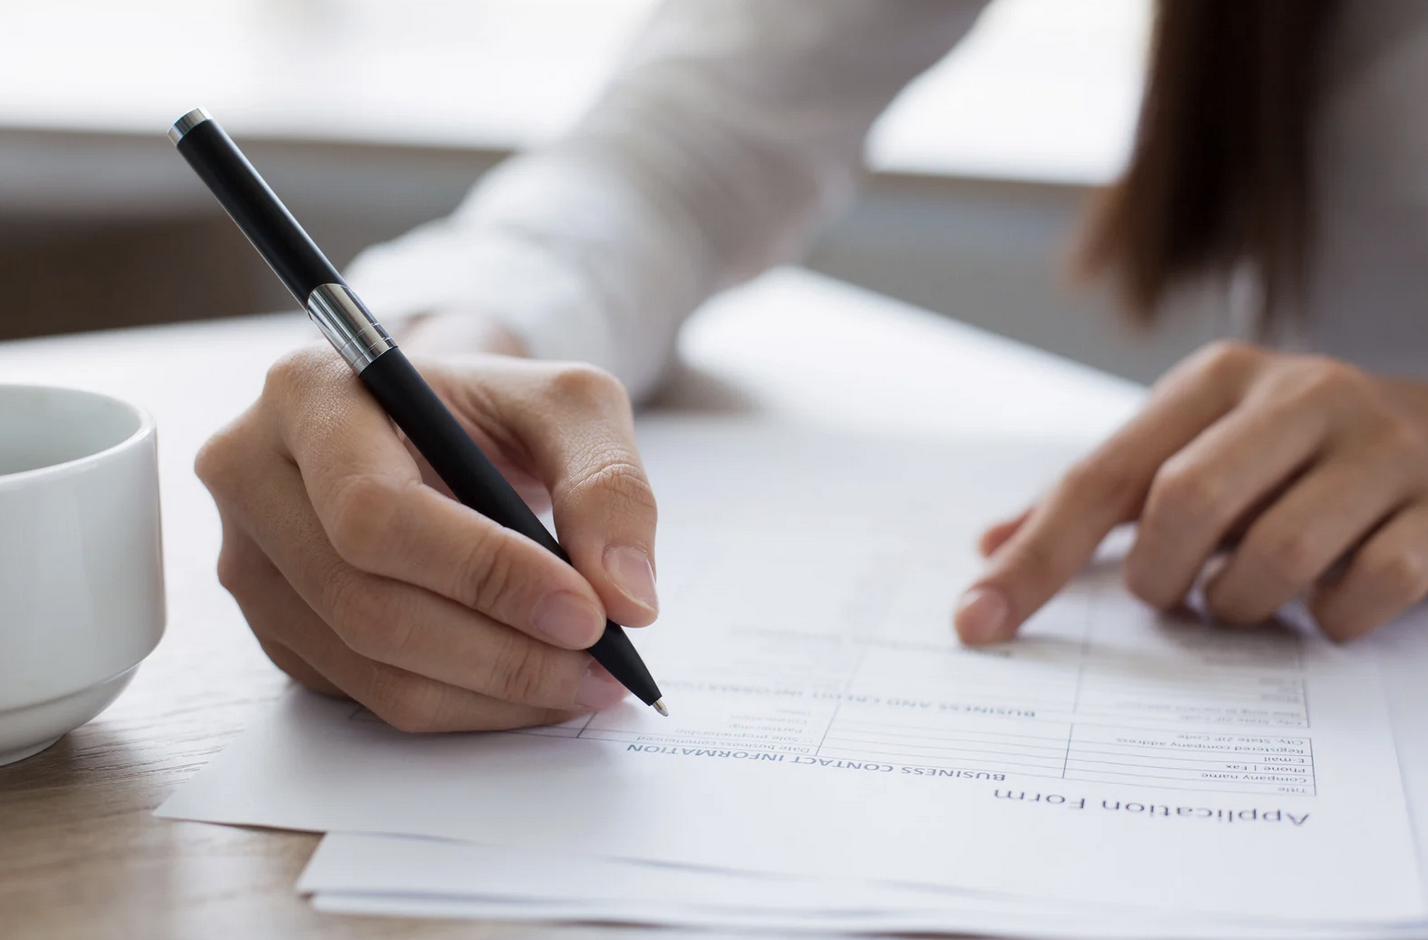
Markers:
point(825, 723)
point(395, 875)
point(1020, 923)
point(407, 876)
point(1024, 922)
point(542, 884)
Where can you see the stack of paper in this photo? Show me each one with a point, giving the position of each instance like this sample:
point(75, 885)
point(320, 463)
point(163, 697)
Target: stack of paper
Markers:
point(835, 761)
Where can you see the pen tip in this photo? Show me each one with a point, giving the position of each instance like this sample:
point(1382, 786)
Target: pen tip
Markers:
point(659, 707)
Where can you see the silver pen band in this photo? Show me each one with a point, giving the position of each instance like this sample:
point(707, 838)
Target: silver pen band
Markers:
point(348, 326)
point(187, 123)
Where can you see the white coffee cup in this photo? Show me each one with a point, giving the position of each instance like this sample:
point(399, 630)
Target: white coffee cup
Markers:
point(81, 564)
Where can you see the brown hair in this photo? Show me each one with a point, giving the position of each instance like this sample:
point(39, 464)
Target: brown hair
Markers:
point(1220, 172)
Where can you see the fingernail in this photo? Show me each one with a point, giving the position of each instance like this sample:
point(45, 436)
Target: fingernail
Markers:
point(633, 574)
point(982, 615)
point(598, 689)
point(567, 619)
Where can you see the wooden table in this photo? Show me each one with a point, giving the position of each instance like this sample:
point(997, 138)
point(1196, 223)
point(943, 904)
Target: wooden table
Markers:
point(80, 853)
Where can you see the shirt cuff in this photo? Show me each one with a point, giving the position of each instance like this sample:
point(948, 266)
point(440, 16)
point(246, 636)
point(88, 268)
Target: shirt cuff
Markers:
point(441, 269)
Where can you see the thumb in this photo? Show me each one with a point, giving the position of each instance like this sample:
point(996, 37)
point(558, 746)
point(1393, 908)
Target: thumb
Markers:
point(582, 443)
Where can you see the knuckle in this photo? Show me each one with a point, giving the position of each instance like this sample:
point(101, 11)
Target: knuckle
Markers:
point(1341, 623)
point(1287, 555)
point(1142, 581)
point(586, 383)
point(1316, 381)
point(1137, 580)
point(1226, 360)
point(363, 518)
point(492, 573)
point(293, 371)
point(405, 702)
point(1406, 437)
point(1100, 481)
point(1329, 378)
point(216, 460)
point(209, 462)
point(232, 572)
point(522, 672)
point(372, 622)
point(1239, 611)
point(1183, 493)
point(618, 478)
point(284, 659)
point(1401, 442)
point(1400, 575)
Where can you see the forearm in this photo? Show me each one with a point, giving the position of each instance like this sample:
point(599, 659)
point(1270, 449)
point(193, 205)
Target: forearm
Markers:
point(734, 131)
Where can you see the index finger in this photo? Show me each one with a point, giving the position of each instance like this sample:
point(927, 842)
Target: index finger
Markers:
point(1101, 491)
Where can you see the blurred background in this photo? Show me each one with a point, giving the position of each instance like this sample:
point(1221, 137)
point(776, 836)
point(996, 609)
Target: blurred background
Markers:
point(370, 116)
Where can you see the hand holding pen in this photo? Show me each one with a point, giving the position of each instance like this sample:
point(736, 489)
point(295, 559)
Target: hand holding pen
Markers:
point(360, 577)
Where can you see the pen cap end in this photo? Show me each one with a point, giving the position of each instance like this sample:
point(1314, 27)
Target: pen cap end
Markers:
point(187, 123)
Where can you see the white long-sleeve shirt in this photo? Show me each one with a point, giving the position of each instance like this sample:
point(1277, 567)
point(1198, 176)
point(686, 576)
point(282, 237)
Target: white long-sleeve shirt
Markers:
point(736, 127)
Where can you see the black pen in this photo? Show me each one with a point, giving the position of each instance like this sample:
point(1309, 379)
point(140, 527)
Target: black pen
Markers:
point(382, 367)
